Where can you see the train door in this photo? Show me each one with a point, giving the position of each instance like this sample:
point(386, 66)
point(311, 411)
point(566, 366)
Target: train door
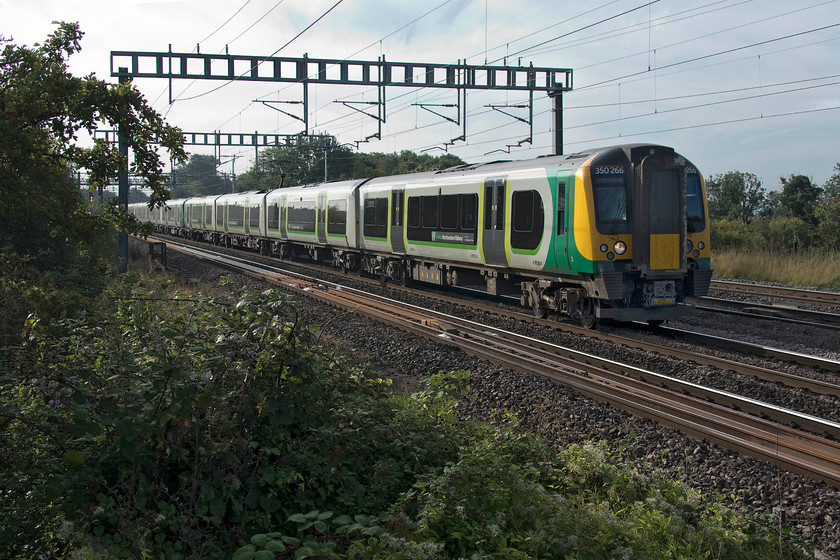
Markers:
point(321, 216)
point(493, 234)
point(284, 209)
point(246, 216)
point(561, 225)
point(659, 234)
point(397, 217)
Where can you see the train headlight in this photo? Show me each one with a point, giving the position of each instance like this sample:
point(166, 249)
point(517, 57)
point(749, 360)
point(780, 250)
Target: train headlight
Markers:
point(620, 248)
point(604, 247)
point(701, 245)
point(688, 245)
point(696, 253)
point(610, 256)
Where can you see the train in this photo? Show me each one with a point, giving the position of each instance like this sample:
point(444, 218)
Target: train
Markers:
point(619, 232)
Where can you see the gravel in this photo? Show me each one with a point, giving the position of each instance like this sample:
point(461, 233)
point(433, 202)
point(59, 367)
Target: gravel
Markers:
point(562, 417)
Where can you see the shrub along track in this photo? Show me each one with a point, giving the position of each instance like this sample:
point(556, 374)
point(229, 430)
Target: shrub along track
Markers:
point(563, 416)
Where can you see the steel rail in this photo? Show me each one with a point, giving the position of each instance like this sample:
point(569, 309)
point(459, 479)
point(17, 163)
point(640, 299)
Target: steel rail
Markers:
point(790, 380)
point(626, 387)
point(816, 297)
point(826, 364)
point(774, 376)
point(783, 313)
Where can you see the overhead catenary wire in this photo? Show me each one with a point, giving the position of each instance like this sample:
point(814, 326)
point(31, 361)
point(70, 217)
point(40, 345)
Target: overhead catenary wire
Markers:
point(678, 66)
point(660, 68)
point(262, 17)
point(710, 55)
point(523, 50)
point(236, 13)
point(263, 59)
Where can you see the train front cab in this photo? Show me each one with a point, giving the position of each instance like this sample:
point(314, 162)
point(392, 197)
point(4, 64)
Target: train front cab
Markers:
point(648, 245)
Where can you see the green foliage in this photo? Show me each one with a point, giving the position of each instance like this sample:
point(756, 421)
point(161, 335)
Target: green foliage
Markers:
point(179, 425)
point(827, 212)
point(799, 197)
point(734, 233)
point(509, 496)
point(735, 196)
point(784, 235)
point(814, 267)
point(800, 216)
point(173, 417)
point(171, 424)
point(377, 164)
point(292, 165)
point(45, 108)
point(60, 245)
point(305, 164)
point(198, 177)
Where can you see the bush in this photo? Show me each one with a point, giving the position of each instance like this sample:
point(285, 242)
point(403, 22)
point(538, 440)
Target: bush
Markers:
point(762, 234)
point(186, 426)
point(786, 234)
point(734, 233)
point(177, 417)
point(510, 497)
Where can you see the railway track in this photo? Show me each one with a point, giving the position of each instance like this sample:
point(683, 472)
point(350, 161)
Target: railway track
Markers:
point(814, 297)
point(786, 303)
point(726, 419)
point(710, 341)
point(698, 357)
point(779, 312)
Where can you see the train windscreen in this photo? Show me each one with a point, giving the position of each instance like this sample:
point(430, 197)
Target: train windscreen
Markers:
point(610, 192)
point(694, 202)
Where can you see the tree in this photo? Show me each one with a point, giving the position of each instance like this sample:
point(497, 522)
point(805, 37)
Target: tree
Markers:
point(51, 240)
point(136, 195)
point(735, 196)
point(799, 197)
point(827, 211)
point(301, 165)
point(198, 177)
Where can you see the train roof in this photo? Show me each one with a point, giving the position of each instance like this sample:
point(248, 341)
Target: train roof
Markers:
point(631, 152)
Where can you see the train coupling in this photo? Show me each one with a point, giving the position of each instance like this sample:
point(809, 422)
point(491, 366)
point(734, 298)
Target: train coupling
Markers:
point(660, 292)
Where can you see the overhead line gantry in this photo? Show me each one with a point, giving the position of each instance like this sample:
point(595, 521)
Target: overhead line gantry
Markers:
point(380, 74)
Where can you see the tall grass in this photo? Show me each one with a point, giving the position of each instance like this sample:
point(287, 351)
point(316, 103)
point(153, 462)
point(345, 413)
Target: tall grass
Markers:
point(810, 268)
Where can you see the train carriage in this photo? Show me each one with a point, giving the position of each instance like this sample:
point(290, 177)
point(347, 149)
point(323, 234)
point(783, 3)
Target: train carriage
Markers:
point(617, 232)
point(312, 218)
point(239, 219)
point(200, 218)
point(172, 217)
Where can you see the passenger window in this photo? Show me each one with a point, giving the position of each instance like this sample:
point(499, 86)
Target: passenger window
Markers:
point(430, 212)
point(561, 208)
point(528, 220)
point(523, 211)
point(449, 211)
point(469, 209)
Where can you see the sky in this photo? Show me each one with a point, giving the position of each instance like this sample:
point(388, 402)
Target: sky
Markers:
point(733, 85)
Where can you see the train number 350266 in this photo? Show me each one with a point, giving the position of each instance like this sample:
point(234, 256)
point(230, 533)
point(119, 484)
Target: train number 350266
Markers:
point(608, 170)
